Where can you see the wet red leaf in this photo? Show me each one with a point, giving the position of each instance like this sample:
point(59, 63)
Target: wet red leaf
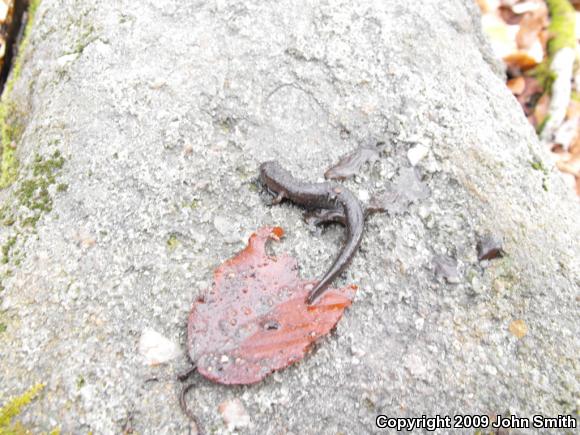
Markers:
point(255, 319)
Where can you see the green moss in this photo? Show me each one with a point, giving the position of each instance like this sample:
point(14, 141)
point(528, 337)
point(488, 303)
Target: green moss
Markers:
point(14, 407)
point(6, 217)
point(6, 249)
point(538, 166)
point(33, 192)
point(562, 25)
point(542, 124)
point(10, 125)
point(10, 131)
point(3, 327)
point(86, 37)
point(172, 242)
point(192, 205)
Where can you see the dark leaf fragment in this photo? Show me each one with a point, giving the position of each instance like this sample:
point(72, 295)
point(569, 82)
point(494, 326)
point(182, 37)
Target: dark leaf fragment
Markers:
point(352, 163)
point(489, 247)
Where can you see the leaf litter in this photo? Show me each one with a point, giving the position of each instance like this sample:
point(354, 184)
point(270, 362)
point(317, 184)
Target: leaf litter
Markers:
point(521, 32)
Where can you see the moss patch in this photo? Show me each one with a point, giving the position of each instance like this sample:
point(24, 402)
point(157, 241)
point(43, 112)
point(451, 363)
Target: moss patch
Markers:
point(6, 249)
point(562, 25)
point(172, 242)
point(31, 198)
point(10, 132)
point(14, 407)
point(10, 120)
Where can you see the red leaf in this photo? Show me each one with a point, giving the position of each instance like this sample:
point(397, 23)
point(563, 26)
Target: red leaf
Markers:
point(255, 319)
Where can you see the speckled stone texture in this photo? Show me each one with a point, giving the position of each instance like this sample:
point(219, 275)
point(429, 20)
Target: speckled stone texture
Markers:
point(163, 111)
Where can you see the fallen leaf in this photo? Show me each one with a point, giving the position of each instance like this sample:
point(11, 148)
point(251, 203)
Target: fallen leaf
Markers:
point(570, 165)
point(507, 14)
point(352, 163)
point(530, 96)
point(484, 6)
point(489, 247)
point(517, 85)
point(567, 133)
point(540, 109)
point(255, 318)
point(519, 61)
point(529, 6)
point(573, 109)
point(518, 328)
point(530, 26)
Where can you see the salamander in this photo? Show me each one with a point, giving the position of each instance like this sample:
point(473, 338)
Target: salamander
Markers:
point(330, 203)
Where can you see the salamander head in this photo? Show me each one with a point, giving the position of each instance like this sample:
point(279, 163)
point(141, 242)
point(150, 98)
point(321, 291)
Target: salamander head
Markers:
point(270, 175)
point(269, 168)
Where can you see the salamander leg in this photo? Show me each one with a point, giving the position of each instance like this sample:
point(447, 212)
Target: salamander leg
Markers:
point(278, 198)
point(324, 216)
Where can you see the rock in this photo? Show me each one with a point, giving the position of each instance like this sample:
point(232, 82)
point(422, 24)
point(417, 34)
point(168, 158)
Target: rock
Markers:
point(518, 328)
point(172, 102)
point(416, 154)
point(156, 349)
point(234, 414)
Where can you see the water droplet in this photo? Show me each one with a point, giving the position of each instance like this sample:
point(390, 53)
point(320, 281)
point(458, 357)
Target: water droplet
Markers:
point(271, 325)
point(247, 311)
point(233, 322)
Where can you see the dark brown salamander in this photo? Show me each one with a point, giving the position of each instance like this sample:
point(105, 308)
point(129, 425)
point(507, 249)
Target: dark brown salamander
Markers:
point(331, 203)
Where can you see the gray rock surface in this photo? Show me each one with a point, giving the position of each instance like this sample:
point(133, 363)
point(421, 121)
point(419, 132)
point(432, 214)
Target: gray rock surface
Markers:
point(163, 111)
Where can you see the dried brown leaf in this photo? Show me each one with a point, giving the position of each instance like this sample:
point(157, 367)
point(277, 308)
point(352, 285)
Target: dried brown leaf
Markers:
point(519, 61)
point(531, 25)
point(517, 85)
point(352, 163)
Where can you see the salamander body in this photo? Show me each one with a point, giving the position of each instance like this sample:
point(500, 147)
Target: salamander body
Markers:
point(331, 203)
